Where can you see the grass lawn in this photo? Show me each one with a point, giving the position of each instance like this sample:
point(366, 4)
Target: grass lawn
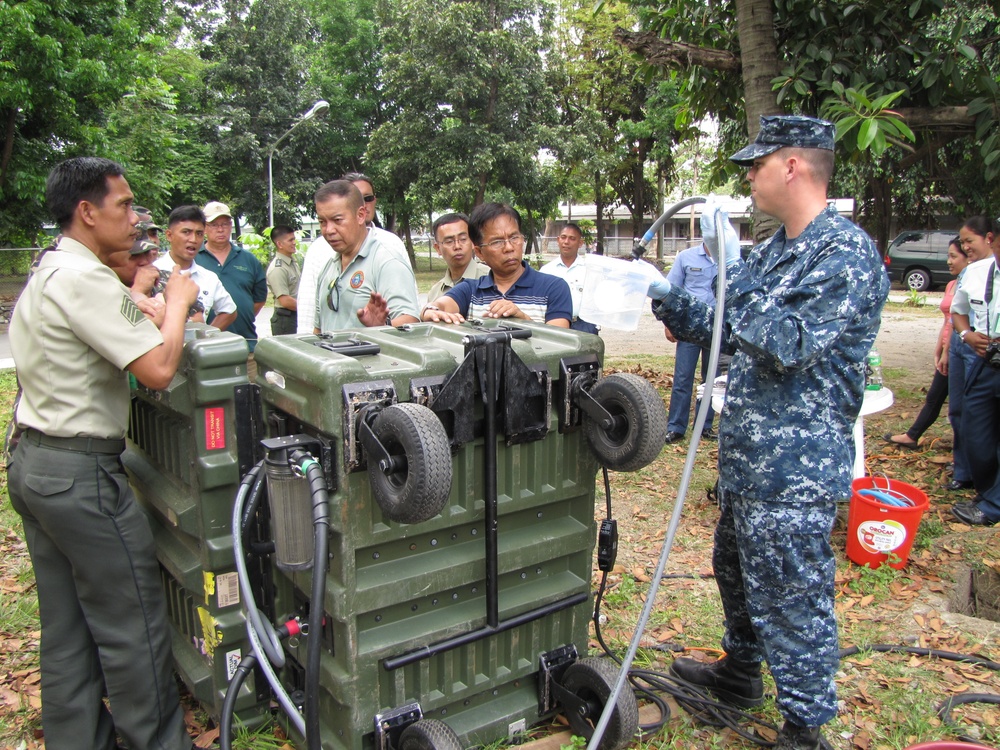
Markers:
point(888, 701)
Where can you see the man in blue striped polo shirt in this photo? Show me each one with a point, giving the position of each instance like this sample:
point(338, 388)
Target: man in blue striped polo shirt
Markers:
point(512, 289)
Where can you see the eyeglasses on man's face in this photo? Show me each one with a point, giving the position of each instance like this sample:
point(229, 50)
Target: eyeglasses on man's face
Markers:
point(515, 240)
point(449, 243)
point(368, 197)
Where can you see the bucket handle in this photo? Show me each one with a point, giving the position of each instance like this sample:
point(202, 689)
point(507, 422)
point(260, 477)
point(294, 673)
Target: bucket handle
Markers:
point(888, 482)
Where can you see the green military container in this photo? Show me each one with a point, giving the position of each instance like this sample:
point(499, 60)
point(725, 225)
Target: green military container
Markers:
point(457, 610)
point(182, 460)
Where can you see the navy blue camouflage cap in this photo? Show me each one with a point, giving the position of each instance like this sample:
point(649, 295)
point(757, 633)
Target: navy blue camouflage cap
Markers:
point(779, 131)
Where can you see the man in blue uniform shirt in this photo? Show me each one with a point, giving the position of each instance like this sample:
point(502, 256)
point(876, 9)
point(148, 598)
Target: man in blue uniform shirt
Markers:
point(801, 314)
point(694, 270)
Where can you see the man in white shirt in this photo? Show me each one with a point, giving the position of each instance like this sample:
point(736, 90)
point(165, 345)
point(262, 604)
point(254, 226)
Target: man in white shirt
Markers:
point(571, 268)
point(185, 233)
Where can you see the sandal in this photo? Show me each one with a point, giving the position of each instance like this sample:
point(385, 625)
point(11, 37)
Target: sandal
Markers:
point(909, 446)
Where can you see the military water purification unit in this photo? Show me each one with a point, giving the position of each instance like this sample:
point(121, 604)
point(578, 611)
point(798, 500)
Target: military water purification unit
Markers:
point(415, 532)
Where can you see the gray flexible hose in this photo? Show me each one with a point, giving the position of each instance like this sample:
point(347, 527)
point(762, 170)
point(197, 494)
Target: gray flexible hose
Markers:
point(668, 541)
point(262, 649)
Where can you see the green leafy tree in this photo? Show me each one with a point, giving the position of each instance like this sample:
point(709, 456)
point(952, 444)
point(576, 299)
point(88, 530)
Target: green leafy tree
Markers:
point(63, 65)
point(802, 55)
point(256, 86)
point(617, 118)
point(468, 103)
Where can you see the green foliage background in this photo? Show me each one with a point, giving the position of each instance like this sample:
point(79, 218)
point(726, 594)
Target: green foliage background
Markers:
point(451, 103)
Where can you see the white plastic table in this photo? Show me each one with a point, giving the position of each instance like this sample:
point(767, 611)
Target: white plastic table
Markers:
point(874, 401)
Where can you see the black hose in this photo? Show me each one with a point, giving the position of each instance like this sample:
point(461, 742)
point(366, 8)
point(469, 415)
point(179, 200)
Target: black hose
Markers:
point(883, 648)
point(640, 246)
point(246, 665)
point(944, 710)
point(321, 524)
point(717, 714)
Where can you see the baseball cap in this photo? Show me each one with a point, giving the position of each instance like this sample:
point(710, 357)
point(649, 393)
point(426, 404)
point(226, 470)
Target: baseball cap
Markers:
point(779, 131)
point(214, 209)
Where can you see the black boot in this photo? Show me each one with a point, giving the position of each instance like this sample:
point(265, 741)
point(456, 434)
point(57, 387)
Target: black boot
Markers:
point(728, 680)
point(794, 737)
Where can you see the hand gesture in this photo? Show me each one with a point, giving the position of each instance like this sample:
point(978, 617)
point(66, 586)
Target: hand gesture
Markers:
point(436, 315)
point(181, 289)
point(503, 308)
point(375, 312)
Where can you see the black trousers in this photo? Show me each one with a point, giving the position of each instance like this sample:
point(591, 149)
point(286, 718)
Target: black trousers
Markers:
point(937, 394)
point(284, 321)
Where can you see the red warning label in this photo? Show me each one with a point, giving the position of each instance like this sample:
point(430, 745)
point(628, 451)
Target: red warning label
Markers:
point(215, 428)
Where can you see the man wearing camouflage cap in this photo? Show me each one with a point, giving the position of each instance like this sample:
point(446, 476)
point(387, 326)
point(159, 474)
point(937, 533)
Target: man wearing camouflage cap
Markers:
point(800, 316)
point(148, 230)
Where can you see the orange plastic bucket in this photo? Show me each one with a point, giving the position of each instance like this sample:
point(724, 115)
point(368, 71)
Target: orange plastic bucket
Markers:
point(876, 530)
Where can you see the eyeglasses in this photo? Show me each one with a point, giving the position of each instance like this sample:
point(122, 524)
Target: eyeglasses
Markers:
point(331, 300)
point(369, 198)
point(515, 240)
point(451, 242)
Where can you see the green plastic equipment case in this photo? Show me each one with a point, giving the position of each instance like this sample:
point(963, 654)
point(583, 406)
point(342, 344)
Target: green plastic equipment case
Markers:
point(183, 464)
point(461, 469)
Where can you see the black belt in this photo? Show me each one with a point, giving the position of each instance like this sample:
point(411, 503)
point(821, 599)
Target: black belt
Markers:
point(284, 312)
point(109, 446)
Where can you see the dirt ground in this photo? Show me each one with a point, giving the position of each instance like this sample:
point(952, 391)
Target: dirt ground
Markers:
point(906, 339)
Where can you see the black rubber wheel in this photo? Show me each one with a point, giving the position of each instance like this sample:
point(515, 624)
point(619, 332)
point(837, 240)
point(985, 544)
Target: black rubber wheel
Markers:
point(592, 680)
point(917, 279)
point(419, 491)
point(429, 734)
point(639, 439)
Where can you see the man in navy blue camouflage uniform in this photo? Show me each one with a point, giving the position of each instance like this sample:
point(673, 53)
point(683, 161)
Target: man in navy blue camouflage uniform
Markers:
point(801, 314)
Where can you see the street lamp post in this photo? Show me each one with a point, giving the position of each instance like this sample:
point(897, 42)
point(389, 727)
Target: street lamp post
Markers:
point(318, 108)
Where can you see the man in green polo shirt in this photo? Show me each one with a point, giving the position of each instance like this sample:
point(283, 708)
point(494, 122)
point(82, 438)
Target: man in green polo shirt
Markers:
point(364, 283)
point(238, 270)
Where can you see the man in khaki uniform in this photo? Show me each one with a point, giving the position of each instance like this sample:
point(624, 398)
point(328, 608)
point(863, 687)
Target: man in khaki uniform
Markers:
point(283, 280)
point(452, 242)
point(75, 334)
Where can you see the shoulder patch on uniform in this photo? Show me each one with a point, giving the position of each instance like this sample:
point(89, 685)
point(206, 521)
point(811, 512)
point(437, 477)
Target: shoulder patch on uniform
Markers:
point(277, 263)
point(130, 311)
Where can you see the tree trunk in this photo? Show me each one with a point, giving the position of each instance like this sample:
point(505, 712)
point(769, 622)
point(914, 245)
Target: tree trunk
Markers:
point(408, 240)
point(8, 146)
point(759, 57)
point(599, 213)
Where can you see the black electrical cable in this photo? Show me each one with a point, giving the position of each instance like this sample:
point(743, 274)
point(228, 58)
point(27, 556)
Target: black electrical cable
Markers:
point(944, 710)
point(243, 670)
point(714, 713)
point(321, 525)
point(883, 648)
point(696, 702)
